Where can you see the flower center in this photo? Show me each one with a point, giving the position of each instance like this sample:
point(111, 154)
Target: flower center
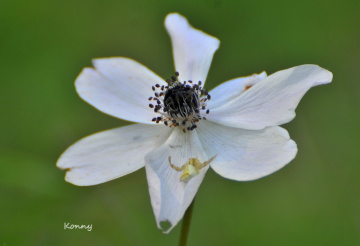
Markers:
point(181, 101)
point(180, 104)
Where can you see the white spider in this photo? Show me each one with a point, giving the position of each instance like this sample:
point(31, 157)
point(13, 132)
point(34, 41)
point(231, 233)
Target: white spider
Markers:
point(190, 168)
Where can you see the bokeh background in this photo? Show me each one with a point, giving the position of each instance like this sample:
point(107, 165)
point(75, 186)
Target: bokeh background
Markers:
point(45, 44)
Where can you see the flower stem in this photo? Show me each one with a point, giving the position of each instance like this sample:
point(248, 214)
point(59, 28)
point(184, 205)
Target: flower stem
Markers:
point(186, 225)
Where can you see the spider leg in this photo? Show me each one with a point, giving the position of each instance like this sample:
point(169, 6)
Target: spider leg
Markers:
point(179, 169)
point(206, 162)
point(184, 166)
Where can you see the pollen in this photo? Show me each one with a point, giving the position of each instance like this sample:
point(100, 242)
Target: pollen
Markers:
point(247, 87)
point(180, 104)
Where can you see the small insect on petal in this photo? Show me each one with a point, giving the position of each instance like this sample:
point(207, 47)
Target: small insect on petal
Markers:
point(191, 168)
point(190, 171)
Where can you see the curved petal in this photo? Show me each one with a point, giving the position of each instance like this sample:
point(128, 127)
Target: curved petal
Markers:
point(230, 90)
point(110, 154)
point(272, 101)
point(245, 155)
point(170, 197)
point(193, 49)
point(119, 87)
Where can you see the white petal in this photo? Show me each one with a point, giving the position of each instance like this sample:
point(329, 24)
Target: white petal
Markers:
point(170, 197)
point(110, 154)
point(119, 87)
point(193, 49)
point(244, 155)
point(272, 101)
point(230, 90)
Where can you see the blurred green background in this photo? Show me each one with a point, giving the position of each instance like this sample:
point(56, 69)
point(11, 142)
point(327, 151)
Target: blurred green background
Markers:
point(45, 44)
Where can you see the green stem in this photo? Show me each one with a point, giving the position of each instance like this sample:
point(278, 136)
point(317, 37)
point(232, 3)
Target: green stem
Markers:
point(186, 225)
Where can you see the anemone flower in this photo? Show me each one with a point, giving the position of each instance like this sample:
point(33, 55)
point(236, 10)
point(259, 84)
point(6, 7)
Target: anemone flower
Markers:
point(182, 128)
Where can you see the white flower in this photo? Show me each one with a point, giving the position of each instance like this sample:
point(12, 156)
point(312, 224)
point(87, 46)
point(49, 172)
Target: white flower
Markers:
point(240, 138)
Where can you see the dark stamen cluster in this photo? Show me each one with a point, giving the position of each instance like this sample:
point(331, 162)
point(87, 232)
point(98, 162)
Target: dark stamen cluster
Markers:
point(179, 103)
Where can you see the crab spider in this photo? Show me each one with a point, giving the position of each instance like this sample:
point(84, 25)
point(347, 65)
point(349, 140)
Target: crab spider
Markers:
point(190, 168)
